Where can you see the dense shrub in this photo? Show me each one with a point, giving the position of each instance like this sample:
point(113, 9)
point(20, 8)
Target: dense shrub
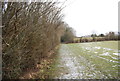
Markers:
point(30, 31)
point(69, 35)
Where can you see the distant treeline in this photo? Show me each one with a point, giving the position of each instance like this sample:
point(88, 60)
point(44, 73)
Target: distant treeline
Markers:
point(91, 38)
point(94, 38)
point(30, 32)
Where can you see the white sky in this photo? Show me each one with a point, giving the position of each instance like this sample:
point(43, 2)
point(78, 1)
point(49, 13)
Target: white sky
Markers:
point(88, 16)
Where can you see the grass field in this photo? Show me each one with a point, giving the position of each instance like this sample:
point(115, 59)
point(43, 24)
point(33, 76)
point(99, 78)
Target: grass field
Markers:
point(95, 60)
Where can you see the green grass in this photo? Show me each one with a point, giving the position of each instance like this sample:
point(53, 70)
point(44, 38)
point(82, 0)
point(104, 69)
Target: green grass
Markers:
point(92, 52)
point(95, 60)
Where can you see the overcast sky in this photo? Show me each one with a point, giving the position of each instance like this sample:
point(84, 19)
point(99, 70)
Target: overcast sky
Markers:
point(88, 16)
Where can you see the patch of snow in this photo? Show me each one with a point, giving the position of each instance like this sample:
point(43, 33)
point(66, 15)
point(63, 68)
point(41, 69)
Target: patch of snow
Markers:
point(87, 48)
point(114, 57)
point(107, 49)
point(95, 52)
point(113, 61)
point(97, 47)
point(107, 53)
point(116, 53)
point(115, 66)
point(108, 60)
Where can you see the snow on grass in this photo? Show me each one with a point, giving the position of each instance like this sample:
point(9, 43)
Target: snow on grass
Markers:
point(116, 53)
point(98, 47)
point(106, 54)
point(89, 60)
